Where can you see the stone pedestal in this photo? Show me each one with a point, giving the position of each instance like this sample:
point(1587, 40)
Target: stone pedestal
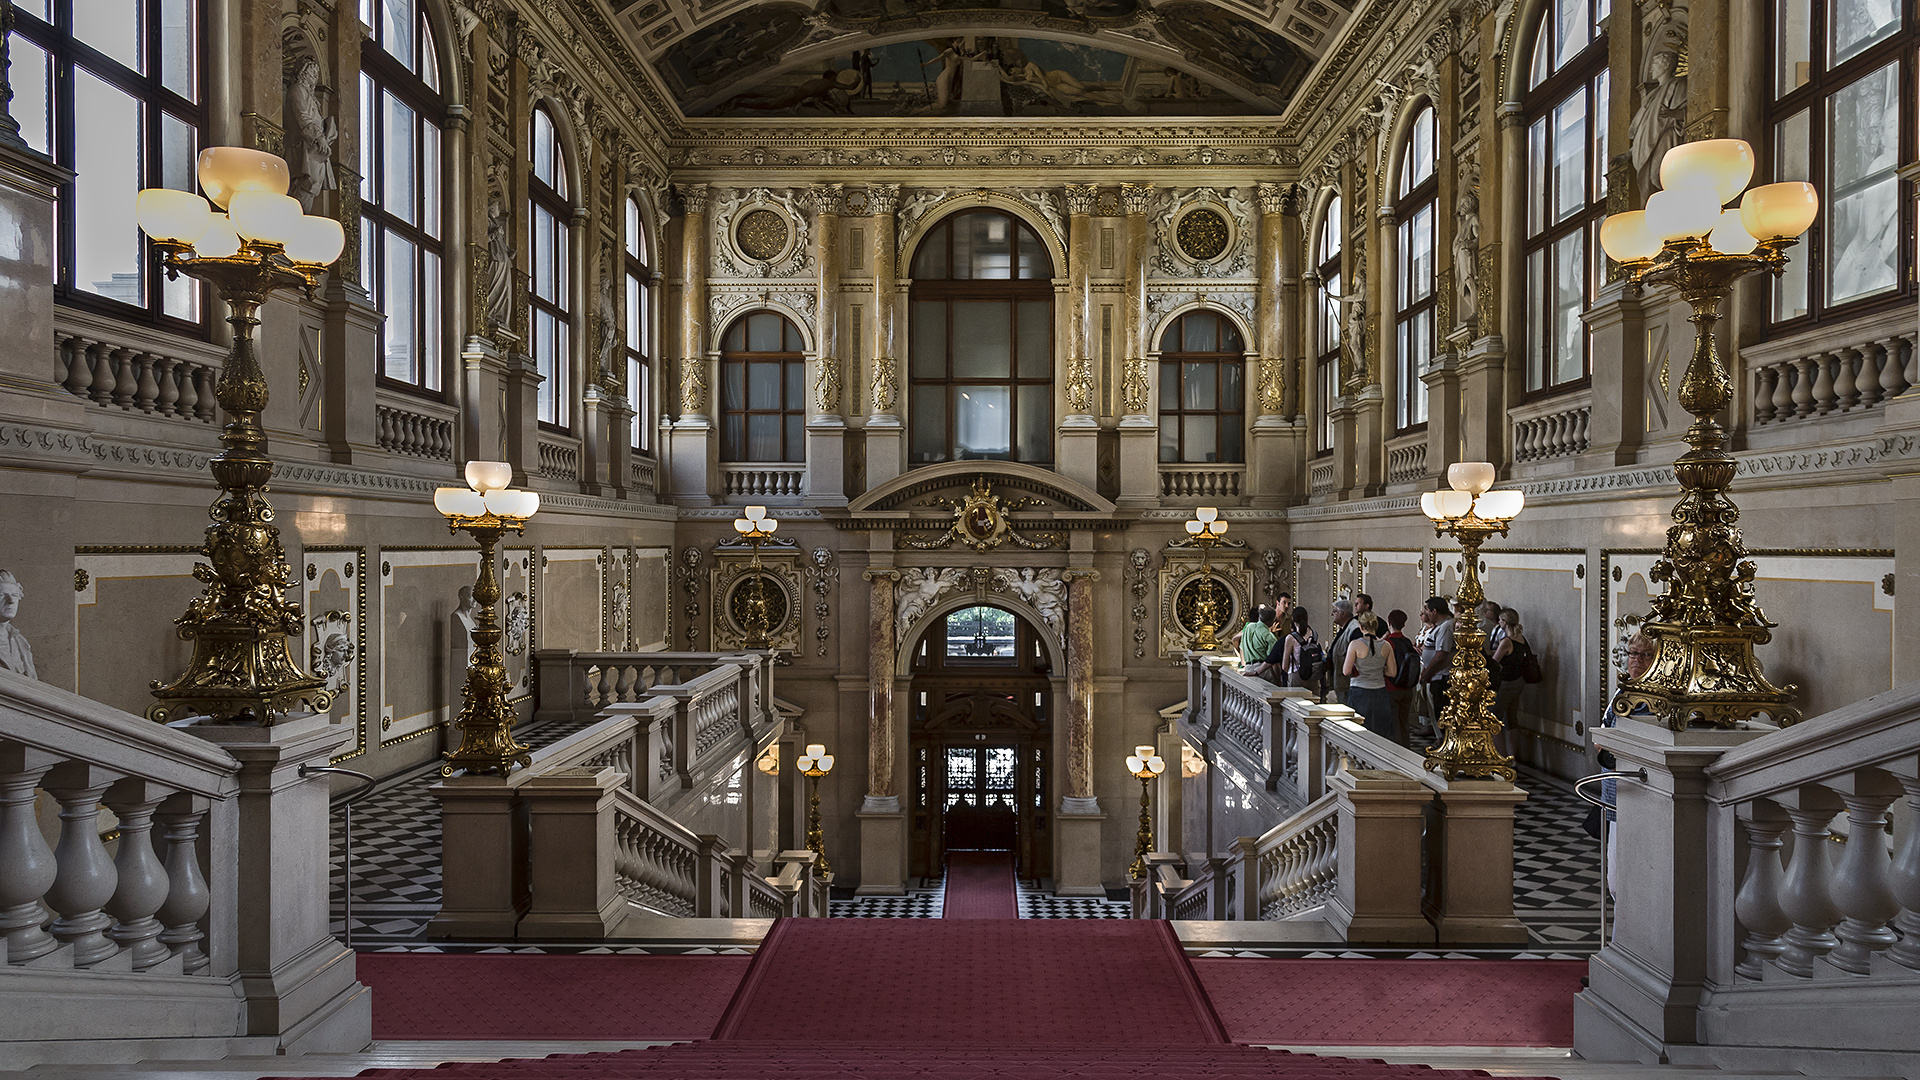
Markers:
point(826, 483)
point(1382, 814)
point(1645, 987)
point(695, 460)
point(572, 843)
point(1473, 896)
point(886, 449)
point(351, 330)
point(1273, 471)
point(481, 893)
point(1139, 463)
point(1080, 450)
point(1076, 848)
point(483, 371)
point(883, 848)
point(299, 982)
point(29, 185)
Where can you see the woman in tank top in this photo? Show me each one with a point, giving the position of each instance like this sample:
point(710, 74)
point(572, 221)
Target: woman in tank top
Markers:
point(1369, 664)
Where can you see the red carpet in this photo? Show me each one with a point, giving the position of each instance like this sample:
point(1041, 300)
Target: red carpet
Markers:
point(1395, 1002)
point(980, 982)
point(980, 886)
point(440, 996)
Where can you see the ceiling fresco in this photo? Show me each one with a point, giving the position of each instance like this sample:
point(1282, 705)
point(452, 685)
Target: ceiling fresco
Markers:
point(1012, 58)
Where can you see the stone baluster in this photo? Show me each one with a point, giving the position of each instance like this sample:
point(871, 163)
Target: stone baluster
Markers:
point(1582, 422)
point(166, 388)
point(1522, 441)
point(72, 355)
point(1803, 386)
point(1903, 878)
point(1765, 381)
point(1783, 408)
point(1823, 366)
point(100, 355)
point(187, 406)
point(1872, 356)
point(206, 407)
point(188, 896)
point(86, 878)
point(146, 390)
point(1911, 370)
point(1758, 903)
point(142, 884)
point(1892, 379)
point(27, 866)
point(125, 383)
point(1860, 890)
point(1846, 389)
point(1806, 895)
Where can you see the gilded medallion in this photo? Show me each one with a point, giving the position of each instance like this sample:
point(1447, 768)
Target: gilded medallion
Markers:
point(1202, 234)
point(761, 234)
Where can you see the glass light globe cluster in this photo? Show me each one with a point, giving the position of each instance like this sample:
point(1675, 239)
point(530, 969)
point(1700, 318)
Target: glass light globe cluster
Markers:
point(1697, 181)
point(487, 493)
point(251, 188)
point(1144, 760)
point(816, 759)
point(1468, 482)
point(1207, 522)
point(755, 523)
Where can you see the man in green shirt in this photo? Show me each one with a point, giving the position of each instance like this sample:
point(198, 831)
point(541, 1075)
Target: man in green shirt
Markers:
point(1257, 639)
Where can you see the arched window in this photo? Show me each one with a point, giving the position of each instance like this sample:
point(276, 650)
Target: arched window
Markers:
point(980, 353)
point(1203, 400)
point(136, 80)
point(1415, 213)
point(550, 322)
point(763, 390)
point(639, 328)
point(1566, 109)
point(1842, 121)
point(1326, 330)
point(981, 634)
point(401, 112)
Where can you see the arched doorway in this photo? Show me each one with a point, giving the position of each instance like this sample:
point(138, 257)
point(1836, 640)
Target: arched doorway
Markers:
point(980, 741)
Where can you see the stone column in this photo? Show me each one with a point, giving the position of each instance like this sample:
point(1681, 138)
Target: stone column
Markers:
point(1139, 427)
point(1080, 430)
point(1275, 450)
point(826, 430)
point(592, 405)
point(1618, 424)
point(1077, 838)
point(695, 455)
point(886, 437)
point(883, 825)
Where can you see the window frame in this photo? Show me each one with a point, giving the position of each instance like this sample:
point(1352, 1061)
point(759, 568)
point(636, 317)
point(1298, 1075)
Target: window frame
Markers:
point(381, 71)
point(1577, 74)
point(1814, 97)
point(1012, 291)
point(544, 198)
point(793, 408)
point(1173, 376)
point(1414, 197)
point(637, 295)
point(66, 52)
point(1327, 329)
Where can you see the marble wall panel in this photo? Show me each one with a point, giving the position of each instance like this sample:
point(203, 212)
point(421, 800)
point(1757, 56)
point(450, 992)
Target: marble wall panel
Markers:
point(573, 602)
point(651, 598)
point(335, 643)
point(1395, 579)
point(1313, 586)
point(420, 648)
point(124, 600)
point(520, 600)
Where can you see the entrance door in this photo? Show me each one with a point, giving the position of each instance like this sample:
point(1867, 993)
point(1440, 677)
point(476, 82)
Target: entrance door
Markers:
point(982, 810)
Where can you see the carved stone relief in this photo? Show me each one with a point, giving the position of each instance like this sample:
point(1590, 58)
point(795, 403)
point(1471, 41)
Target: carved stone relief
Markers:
point(1042, 589)
point(1195, 235)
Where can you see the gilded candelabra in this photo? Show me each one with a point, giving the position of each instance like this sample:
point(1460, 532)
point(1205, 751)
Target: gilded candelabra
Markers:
point(1470, 514)
point(1144, 764)
point(243, 669)
point(486, 509)
point(1206, 529)
point(1707, 623)
point(815, 763)
point(757, 528)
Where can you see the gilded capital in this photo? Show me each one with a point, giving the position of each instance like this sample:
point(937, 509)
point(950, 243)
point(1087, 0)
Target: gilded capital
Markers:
point(1080, 386)
point(1136, 197)
point(1134, 387)
point(883, 198)
point(826, 387)
point(693, 198)
point(829, 199)
point(883, 390)
point(1080, 199)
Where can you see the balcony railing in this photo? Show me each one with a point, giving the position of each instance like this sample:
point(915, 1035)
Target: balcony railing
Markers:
point(1805, 377)
point(1202, 481)
point(1554, 428)
point(116, 366)
point(559, 460)
point(415, 429)
point(1407, 460)
point(1322, 475)
point(759, 480)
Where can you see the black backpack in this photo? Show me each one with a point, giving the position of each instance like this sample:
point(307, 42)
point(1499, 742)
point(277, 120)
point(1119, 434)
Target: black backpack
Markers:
point(1406, 659)
point(1308, 658)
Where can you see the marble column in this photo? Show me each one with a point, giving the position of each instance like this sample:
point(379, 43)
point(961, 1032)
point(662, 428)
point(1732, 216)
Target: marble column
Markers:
point(1078, 836)
point(695, 455)
point(1139, 429)
point(883, 824)
point(826, 430)
point(886, 442)
point(1080, 430)
point(1277, 443)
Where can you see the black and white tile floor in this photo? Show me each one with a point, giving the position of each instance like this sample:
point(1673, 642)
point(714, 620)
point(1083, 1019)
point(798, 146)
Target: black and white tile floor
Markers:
point(396, 879)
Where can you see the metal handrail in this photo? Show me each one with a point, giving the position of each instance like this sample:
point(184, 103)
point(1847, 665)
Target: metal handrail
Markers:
point(346, 877)
point(1579, 792)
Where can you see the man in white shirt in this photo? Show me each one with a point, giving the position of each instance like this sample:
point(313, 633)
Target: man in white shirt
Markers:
point(1345, 627)
point(1436, 655)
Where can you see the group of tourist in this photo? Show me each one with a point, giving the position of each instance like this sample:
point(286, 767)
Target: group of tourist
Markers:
point(1397, 684)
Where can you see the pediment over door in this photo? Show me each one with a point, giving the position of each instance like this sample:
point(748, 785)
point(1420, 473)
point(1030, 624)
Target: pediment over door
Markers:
point(979, 505)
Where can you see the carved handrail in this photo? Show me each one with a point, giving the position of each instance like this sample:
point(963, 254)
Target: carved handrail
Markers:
point(1407, 459)
point(411, 427)
point(1554, 427)
point(1298, 861)
point(559, 460)
point(1833, 371)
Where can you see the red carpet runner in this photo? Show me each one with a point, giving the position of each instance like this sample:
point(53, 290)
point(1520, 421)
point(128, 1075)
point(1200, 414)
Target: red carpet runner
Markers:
point(980, 885)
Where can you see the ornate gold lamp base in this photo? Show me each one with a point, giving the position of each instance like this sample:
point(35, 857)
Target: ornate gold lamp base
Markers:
point(1143, 841)
point(1467, 726)
point(487, 746)
point(816, 840)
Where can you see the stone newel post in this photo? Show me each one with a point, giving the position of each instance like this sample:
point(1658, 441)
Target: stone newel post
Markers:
point(883, 825)
point(1077, 846)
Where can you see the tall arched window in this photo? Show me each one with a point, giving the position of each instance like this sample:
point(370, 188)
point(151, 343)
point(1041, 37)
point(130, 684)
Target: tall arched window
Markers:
point(1326, 330)
point(135, 78)
point(763, 390)
point(980, 359)
point(401, 112)
point(1842, 120)
point(1566, 190)
point(639, 328)
point(550, 322)
point(1203, 399)
point(1416, 212)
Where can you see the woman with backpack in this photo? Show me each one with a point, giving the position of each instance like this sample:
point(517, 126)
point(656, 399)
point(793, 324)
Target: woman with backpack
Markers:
point(1510, 659)
point(1403, 684)
point(1369, 663)
point(1301, 655)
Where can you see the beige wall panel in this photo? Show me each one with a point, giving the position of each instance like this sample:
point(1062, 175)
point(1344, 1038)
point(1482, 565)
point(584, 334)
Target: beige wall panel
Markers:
point(1312, 585)
point(335, 643)
point(572, 599)
point(650, 598)
point(122, 623)
point(420, 670)
point(1395, 579)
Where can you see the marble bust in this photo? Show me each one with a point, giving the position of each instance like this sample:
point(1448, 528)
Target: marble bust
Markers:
point(463, 619)
point(15, 654)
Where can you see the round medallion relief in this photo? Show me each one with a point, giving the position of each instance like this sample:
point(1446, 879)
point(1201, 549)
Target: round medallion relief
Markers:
point(761, 234)
point(758, 598)
point(1202, 234)
point(1187, 602)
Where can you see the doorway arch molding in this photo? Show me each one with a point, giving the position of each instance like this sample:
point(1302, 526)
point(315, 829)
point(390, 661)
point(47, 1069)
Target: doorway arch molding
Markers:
point(958, 599)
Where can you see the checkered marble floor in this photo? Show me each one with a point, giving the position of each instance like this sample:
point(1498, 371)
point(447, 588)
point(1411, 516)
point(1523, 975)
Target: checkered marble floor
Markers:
point(924, 900)
point(1039, 904)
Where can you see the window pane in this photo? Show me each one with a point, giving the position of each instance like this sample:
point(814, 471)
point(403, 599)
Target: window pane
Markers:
point(27, 67)
point(106, 238)
point(764, 438)
point(562, 374)
point(1423, 346)
point(796, 395)
point(429, 374)
point(1330, 313)
point(1536, 175)
point(763, 332)
point(178, 145)
point(1169, 387)
point(1034, 262)
point(1330, 231)
point(988, 245)
point(1602, 92)
point(1232, 397)
point(929, 423)
point(113, 27)
point(982, 422)
point(1203, 438)
point(980, 344)
point(1794, 38)
point(1853, 25)
point(542, 268)
point(733, 387)
point(399, 169)
point(429, 69)
point(633, 314)
point(369, 97)
point(396, 354)
point(763, 386)
point(636, 247)
point(1170, 438)
point(796, 431)
point(543, 147)
point(1569, 274)
point(1231, 437)
point(1863, 193)
point(1536, 315)
point(928, 340)
point(1569, 157)
point(1036, 424)
point(177, 33)
point(931, 262)
point(1200, 386)
point(1790, 156)
point(1417, 256)
point(430, 178)
point(1036, 339)
point(396, 29)
point(733, 437)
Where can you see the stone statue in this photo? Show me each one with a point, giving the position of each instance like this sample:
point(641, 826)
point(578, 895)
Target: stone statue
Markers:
point(1353, 313)
point(311, 133)
point(607, 345)
point(1466, 248)
point(332, 651)
point(15, 654)
point(1662, 111)
point(919, 587)
point(499, 255)
point(464, 616)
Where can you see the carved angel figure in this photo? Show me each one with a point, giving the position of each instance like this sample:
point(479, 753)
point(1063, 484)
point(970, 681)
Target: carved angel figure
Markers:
point(919, 587)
